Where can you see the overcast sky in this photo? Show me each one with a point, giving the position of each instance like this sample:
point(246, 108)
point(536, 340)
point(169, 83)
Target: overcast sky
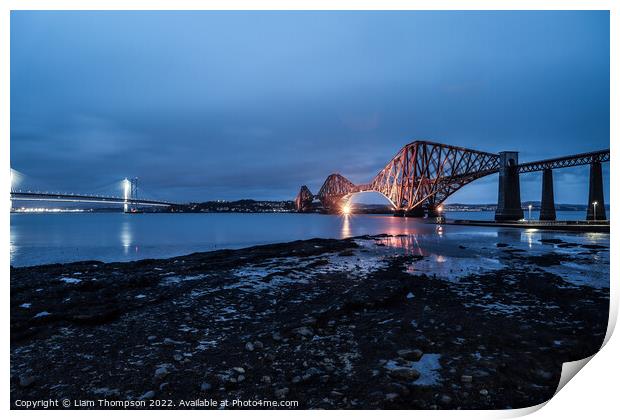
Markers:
point(226, 105)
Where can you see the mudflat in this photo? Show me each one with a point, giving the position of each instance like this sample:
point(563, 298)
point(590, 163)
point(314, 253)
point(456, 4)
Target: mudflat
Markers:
point(353, 323)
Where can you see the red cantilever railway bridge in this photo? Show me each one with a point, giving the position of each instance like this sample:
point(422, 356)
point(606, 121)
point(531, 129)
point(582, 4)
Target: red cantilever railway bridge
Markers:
point(423, 174)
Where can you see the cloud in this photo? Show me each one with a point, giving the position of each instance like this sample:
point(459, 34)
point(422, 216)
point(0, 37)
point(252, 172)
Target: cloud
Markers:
point(201, 105)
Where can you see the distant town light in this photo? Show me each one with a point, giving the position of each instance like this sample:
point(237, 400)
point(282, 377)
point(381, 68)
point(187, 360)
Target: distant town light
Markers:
point(346, 209)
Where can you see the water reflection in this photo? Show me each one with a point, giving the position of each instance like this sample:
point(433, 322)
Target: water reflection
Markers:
point(52, 238)
point(408, 243)
point(530, 236)
point(509, 236)
point(596, 237)
point(345, 232)
point(13, 248)
point(126, 236)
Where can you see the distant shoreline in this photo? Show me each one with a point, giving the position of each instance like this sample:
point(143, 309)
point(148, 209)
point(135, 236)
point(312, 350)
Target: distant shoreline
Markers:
point(248, 211)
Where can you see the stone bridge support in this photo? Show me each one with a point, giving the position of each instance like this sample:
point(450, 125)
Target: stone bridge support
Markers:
point(433, 211)
point(509, 194)
point(415, 212)
point(596, 211)
point(547, 202)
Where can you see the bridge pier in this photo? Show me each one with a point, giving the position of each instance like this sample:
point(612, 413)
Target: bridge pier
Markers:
point(509, 194)
point(596, 211)
point(130, 193)
point(433, 211)
point(415, 212)
point(547, 202)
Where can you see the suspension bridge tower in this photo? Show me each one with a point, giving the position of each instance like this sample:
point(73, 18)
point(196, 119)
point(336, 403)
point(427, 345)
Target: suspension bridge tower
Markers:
point(130, 194)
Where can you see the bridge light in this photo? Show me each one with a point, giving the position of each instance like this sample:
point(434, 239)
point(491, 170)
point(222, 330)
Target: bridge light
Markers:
point(16, 178)
point(594, 204)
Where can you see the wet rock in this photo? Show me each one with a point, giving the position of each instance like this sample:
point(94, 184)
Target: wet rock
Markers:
point(249, 346)
point(149, 395)
point(466, 378)
point(304, 331)
point(543, 374)
point(258, 345)
point(391, 396)
point(593, 246)
point(239, 369)
point(484, 392)
point(205, 386)
point(311, 373)
point(26, 380)
point(551, 241)
point(398, 388)
point(161, 372)
point(309, 321)
point(407, 374)
point(409, 354)
point(362, 317)
point(280, 393)
point(106, 392)
point(445, 399)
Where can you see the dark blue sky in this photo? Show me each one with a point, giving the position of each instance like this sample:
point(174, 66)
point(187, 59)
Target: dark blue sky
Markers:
point(209, 105)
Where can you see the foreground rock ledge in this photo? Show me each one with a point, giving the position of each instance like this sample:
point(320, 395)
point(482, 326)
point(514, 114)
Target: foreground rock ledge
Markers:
point(329, 323)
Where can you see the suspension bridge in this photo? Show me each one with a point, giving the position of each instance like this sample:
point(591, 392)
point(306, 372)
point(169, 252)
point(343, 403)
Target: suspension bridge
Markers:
point(423, 174)
point(128, 198)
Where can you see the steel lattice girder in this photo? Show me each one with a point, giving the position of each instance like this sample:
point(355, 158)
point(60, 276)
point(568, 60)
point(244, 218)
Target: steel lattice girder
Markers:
point(303, 201)
point(427, 172)
point(334, 189)
point(565, 162)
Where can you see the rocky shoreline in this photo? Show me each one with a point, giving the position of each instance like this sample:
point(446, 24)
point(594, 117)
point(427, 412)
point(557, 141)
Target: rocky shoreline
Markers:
point(327, 323)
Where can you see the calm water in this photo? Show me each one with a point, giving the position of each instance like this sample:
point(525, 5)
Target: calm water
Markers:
point(63, 237)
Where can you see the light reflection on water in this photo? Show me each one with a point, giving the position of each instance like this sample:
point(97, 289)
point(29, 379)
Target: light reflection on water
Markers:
point(346, 226)
point(50, 238)
point(125, 235)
